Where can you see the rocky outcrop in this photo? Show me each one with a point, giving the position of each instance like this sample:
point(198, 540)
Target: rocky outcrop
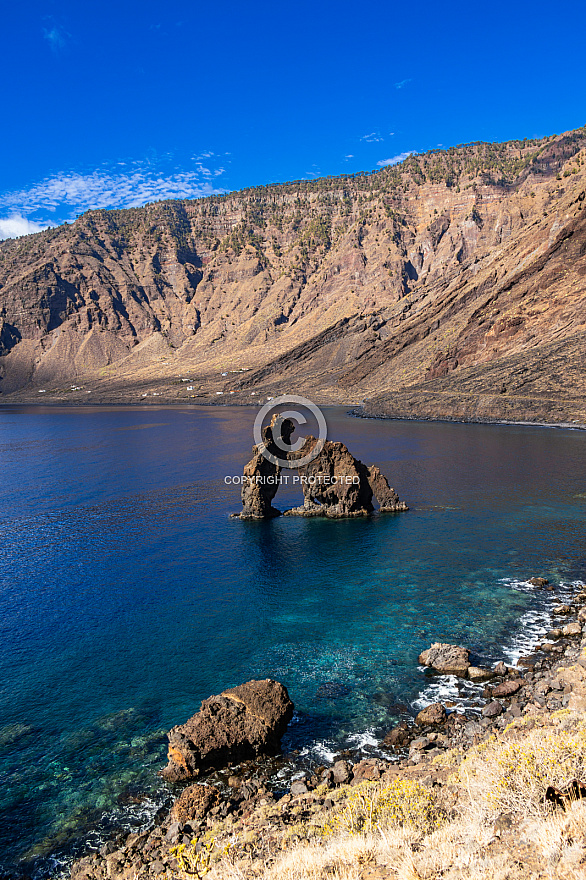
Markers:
point(435, 713)
point(334, 483)
point(262, 474)
point(387, 498)
point(194, 803)
point(447, 659)
point(243, 722)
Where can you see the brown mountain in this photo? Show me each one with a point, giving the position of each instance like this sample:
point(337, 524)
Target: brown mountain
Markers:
point(449, 286)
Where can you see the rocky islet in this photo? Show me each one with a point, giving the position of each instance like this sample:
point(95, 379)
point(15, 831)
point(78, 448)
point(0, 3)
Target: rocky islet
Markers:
point(335, 484)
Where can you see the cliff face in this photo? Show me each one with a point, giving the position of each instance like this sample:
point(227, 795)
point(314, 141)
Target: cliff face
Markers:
point(450, 285)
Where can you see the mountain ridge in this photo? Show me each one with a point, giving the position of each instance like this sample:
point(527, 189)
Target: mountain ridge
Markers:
point(421, 288)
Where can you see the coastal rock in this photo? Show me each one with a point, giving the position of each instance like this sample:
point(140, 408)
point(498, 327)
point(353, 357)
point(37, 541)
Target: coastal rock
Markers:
point(435, 713)
point(387, 498)
point(366, 770)
point(572, 629)
point(492, 709)
point(447, 659)
point(261, 475)
point(194, 803)
point(562, 609)
point(243, 722)
point(538, 582)
point(298, 788)
point(397, 737)
point(500, 668)
point(506, 689)
point(479, 673)
point(341, 772)
point(334, 483)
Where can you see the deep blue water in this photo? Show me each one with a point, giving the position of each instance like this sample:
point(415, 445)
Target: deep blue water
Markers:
point(127, 595)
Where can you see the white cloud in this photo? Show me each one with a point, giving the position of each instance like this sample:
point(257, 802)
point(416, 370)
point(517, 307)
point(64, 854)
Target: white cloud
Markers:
point(402, 83)
point(56, 37)
point(70, 193)
point(394, 160)
point(17, 225)
point(372, 138)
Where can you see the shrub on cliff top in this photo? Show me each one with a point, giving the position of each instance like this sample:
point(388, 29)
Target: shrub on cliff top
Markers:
point(513, 776)
point(373, 806)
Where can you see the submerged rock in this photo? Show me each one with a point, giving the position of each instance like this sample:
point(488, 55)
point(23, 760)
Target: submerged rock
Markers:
point(240, 723)
point(448, 659)
point(332, 690)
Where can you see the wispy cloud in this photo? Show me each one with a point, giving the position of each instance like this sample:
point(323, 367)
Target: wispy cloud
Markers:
point(17, 225)
point(394, 160)
point(315, 172)
point(372, 138)
point(402, 83)
point(56, 36)
point(126, 185)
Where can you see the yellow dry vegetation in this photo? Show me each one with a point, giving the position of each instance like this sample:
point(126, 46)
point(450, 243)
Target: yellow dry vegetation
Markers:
point(490, 821)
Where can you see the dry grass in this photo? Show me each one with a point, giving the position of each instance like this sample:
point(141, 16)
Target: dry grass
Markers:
point(405, 830)
point(513, 776)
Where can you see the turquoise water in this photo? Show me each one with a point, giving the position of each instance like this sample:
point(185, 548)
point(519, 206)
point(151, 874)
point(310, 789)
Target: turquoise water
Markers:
point(127, 595)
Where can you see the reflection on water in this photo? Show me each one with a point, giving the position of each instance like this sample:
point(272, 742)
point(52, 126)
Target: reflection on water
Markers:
point(127, 595)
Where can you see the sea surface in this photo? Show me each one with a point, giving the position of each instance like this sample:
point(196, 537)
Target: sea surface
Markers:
point(128, 595)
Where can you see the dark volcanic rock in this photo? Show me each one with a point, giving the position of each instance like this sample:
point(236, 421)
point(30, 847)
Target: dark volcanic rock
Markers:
point(448, 659)
point(492, 709)
point(331, 690)
point(336, 485)
point(432, 714)
point(194, 802)
point(334, 481)
point(262, 474)
point(387, 498)
point(243, 722)
point(506, 689)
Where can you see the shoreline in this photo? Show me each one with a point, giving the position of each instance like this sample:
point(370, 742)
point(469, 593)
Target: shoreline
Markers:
point(353, 410)
point(409, 749)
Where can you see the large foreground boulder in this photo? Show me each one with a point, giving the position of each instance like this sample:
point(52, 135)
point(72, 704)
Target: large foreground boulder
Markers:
point(241, 723)
point(447, 659)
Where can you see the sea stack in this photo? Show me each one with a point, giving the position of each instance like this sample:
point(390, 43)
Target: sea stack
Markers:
point(334, 483)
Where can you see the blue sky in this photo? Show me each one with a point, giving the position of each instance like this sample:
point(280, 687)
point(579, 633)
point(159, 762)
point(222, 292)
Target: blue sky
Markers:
point(117, 104)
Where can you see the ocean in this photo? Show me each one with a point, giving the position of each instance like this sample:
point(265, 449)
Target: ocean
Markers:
point(128, 595)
